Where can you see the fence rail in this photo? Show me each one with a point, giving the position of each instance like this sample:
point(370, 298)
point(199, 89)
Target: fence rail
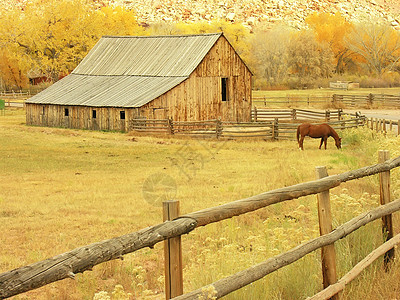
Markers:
point(347, 100)
point(262, 114)
point(14, 95)
point(85, 258)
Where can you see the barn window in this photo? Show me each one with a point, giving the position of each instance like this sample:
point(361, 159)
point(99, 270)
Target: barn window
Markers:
point(94, 114)
point(122, 115)
point(224, 89)
point(66, 112)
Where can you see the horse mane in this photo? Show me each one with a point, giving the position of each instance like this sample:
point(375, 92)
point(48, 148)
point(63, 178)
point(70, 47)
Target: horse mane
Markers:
point(334, 133)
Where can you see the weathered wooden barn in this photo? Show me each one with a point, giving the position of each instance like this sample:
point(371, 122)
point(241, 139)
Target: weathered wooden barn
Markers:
point(188, 77)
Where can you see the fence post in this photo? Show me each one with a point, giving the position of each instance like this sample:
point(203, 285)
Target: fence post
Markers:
point(218, 128)
point(384, 188)
point(384, 126)
point(276, 129)
point(370, 99)
point(398, 127)
point(170, 126)
point(327, 115)
point(255, 114)
point(172, 254)
point(328, 254)
point(333, 102)
point(293, 114)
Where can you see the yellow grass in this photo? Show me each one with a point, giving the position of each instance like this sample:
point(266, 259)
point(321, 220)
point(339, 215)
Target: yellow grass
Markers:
point(61, 189)
point(326, 91)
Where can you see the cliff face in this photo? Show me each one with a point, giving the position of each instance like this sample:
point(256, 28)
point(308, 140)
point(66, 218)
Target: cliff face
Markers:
point(251, 12)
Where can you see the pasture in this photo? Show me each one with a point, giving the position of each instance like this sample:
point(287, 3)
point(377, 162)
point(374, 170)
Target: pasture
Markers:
point(61, 189)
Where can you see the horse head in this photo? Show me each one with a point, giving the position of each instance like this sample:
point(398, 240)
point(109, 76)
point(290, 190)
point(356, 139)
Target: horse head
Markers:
point(338, 143)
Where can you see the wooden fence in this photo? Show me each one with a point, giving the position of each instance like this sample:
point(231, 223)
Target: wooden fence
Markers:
point(14, 95)
point(383, 125)
point(346, 100)
point(68, 264)
point(262, 114)
point(270, 124)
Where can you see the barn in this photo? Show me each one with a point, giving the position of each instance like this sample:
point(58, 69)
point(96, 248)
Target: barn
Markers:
point(184, 78)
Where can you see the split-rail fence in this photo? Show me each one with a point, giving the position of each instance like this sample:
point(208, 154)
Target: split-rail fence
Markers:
point(334, 100)
point(68, 264)
point(265, 124)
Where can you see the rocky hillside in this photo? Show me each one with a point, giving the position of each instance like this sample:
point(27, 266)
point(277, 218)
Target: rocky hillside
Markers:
point(250, 12)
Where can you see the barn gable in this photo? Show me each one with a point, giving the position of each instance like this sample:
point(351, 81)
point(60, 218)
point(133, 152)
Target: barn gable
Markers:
point(189, 77)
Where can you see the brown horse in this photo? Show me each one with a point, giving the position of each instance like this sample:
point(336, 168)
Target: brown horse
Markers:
point(322, 131)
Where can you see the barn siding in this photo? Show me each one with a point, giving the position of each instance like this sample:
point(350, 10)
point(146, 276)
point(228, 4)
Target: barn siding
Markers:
point(80, 117)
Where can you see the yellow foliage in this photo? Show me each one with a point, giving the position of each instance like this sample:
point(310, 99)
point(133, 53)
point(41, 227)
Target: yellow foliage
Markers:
point(331, 29)
point(53, 36)
point(10, 72)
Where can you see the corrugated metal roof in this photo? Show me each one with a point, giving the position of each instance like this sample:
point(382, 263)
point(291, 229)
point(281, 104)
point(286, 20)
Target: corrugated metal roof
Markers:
point(105, 91)
point(147, 56)
point(129, 71)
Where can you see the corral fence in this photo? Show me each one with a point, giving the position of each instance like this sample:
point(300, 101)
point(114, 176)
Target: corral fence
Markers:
point(68, 264)
point(263, 114)
point(341, 100)
point(11, 97)
point(15, 94)
point(266, 124)
point(383, 125)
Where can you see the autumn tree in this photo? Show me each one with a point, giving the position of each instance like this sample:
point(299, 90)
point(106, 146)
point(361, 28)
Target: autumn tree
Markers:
point(53, 36)
point(309, 59)
point(332, 29)
point(376, 45)
point(269, 55)
point(11, 74)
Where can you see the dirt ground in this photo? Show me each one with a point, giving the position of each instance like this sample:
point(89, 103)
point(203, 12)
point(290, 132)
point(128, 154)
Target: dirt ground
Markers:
point(389, 114)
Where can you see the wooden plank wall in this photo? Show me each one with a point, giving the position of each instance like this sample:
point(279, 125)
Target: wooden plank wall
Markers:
point(80, 117)
point(199, 97)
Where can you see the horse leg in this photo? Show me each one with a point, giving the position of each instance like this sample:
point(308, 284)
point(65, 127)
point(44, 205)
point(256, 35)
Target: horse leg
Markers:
point(320, 145)
point(325, 140)
point(301, 142)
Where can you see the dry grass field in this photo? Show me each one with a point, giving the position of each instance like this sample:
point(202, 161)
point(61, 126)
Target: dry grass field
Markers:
point(61, 189)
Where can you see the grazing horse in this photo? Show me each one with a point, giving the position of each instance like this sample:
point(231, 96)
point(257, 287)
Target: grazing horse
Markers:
point(322, 131)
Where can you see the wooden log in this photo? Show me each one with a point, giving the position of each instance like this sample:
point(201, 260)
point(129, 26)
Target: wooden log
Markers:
point(238, 207)
point(234, 282)
point(85, 258)
point(173, 267)
point(384, 188)
point(384, 126)
point(328, 254)
point(358, 268)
